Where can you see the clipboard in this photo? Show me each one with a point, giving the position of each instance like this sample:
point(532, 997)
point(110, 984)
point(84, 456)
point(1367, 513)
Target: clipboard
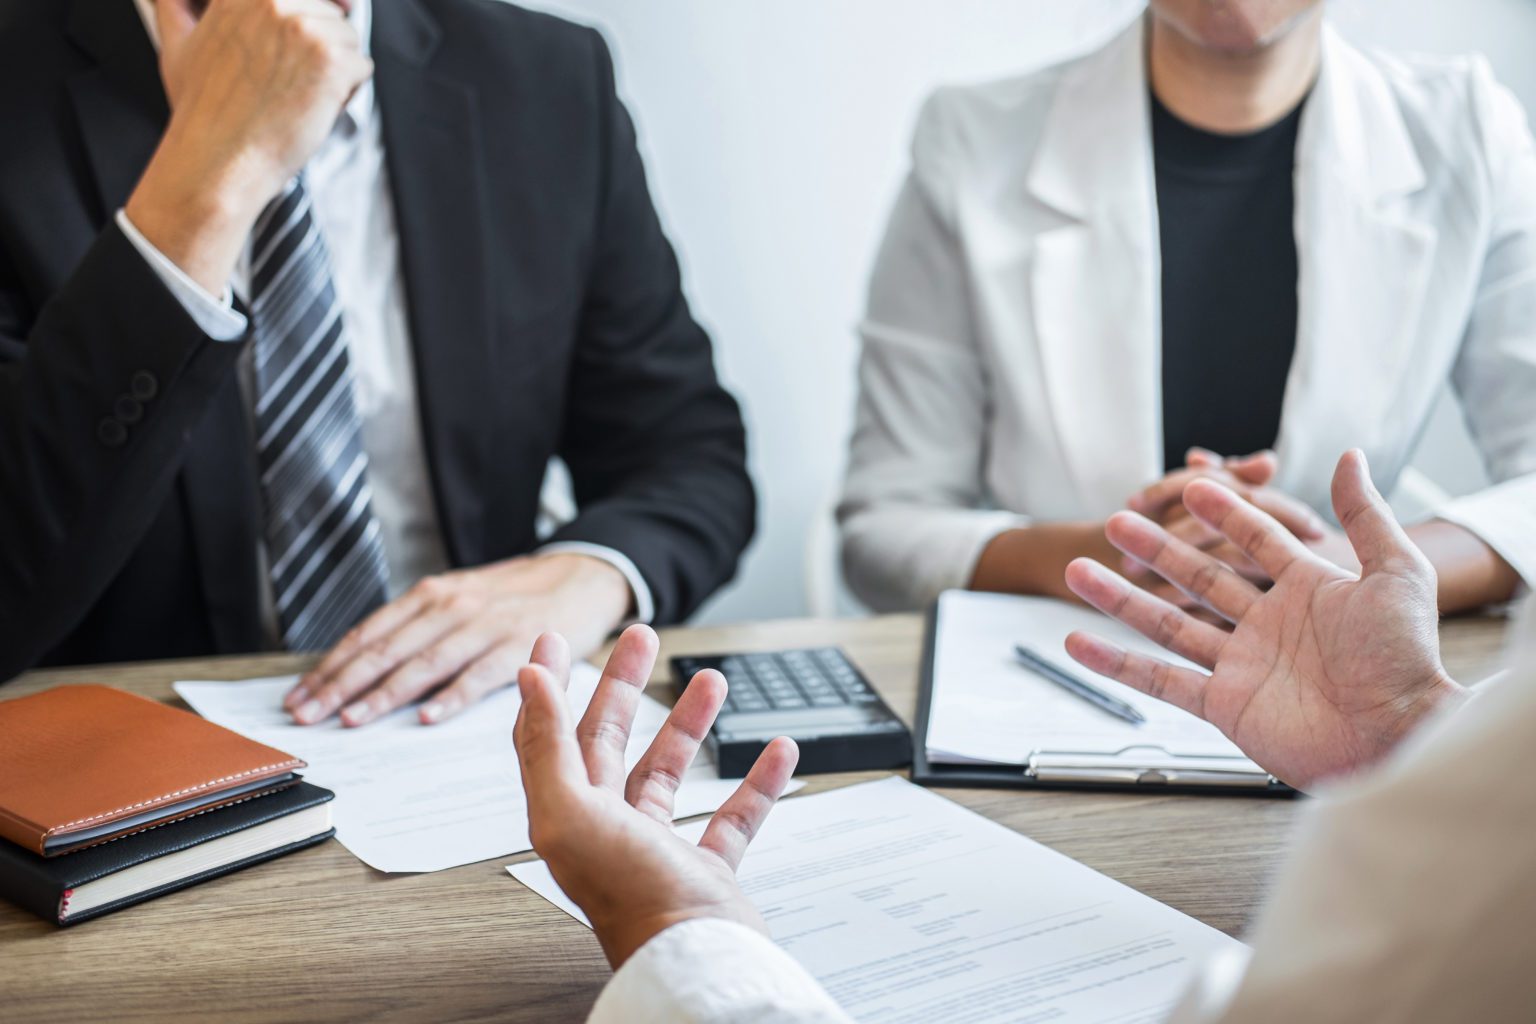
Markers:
point(1062, 774)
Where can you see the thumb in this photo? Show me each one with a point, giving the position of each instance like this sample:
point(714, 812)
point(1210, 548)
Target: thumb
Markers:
point(547, 754)
point(1257, 469)
point(1201, 458)
point(1379, 542)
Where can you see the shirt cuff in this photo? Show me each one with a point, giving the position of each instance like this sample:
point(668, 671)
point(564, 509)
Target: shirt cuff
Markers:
point(712, 970)
point(217, 318)
point(1503, 517)
point(645, 605)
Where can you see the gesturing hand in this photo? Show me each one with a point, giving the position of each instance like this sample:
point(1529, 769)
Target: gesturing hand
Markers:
point(1324, 673)
point(463, 635)
point(609, 840)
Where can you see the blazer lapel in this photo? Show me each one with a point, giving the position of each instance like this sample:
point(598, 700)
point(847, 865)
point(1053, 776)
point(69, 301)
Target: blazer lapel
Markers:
point(119, 103)
point(1365, 266)
point(1093, 277)
point(121, 109)
point(433, 151)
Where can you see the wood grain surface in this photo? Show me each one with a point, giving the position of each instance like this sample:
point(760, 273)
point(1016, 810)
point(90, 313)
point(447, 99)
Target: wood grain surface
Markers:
point(317, 936)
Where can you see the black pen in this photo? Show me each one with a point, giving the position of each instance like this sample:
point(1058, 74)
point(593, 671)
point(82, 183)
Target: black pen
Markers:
point(1073, 685)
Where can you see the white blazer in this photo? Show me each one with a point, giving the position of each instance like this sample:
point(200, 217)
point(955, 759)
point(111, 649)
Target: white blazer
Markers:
point(1011, 354)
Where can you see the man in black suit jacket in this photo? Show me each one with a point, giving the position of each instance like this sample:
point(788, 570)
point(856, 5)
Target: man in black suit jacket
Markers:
point(542, 316)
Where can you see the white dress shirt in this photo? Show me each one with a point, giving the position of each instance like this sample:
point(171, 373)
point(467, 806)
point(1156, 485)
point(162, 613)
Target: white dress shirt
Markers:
point(348, 183)
point(1012, 347)
point(1411, 896)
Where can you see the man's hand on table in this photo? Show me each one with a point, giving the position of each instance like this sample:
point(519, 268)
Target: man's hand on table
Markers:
point(1324, 673)
point(464, 635)
point(608, 839)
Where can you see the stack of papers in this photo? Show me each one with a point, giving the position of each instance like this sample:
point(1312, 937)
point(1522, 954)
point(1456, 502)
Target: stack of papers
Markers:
point(910, 908)
point(988, 709)
point(411, 797)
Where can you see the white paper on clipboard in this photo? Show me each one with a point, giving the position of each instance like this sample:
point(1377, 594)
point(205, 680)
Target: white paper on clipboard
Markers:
point(988, 709)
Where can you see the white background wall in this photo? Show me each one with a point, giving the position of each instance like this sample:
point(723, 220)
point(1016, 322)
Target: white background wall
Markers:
point(776, 132)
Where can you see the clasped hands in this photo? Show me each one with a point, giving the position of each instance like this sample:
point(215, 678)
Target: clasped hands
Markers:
point(1319, 676)
point(1252, 478)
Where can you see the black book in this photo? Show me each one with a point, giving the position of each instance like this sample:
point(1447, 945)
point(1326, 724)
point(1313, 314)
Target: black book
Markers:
point(100, 879)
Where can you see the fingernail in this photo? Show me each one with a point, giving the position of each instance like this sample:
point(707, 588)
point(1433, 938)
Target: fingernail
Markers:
point(356, 714)
point(309, 711)
point(431, 712)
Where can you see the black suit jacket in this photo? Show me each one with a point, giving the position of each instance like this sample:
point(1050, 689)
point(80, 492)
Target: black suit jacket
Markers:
point(545, 309)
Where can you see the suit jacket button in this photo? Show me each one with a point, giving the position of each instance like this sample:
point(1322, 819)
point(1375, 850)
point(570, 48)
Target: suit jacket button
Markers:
point(111, 433)
point(144, 386)
point(128, 409)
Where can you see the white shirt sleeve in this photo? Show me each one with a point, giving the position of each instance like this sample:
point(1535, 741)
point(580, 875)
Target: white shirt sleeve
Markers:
point(217, 317)
point(710, 971)
point(1495, 372)
point(645, 604)
point(1410, 893)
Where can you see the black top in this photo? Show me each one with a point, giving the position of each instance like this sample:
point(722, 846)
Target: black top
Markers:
point(1225, 207)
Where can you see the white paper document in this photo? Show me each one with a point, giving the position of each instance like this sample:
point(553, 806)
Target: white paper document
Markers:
point(986, 707)
point(911, 909)
point(411, 797)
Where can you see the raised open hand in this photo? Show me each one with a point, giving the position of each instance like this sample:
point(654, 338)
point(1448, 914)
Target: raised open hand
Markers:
point(1324, 673)
point(608, 839)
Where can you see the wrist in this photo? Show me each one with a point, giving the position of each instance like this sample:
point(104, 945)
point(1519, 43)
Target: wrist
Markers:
point(1033, 559)
point(1440, 695)
point(198, 213)
point(601, 587)
point(625, 936)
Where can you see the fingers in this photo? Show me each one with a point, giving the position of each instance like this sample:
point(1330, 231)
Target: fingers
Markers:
point(174, 22)
point(1271, 546)
point(1257, 469)
point(1164, 495)
point(1195, 573)
point(547, 755)
point(553, 651)
point(1296, 516)
point(375, 627)
point(494, 670)
point(371, 665)
point(652, 786)
point(1154, 618)
point(1379, 541)
point(736, 823)
point(440, 660)
point(1184, 688)
point(604, 730)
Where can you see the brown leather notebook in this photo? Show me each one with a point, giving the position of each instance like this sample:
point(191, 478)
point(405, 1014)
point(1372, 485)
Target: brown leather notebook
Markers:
point(80, 765)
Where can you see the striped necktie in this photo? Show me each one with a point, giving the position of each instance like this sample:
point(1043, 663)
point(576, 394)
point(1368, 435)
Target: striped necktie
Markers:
point(324, 552)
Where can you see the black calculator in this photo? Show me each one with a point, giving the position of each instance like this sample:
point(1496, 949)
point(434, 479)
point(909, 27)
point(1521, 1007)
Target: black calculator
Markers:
point(816, 697)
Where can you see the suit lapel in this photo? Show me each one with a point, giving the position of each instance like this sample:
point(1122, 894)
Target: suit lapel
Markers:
point(121, 110)
point(119, 103)
point(1365, 266)
point(1093, 276)
point(433, 151)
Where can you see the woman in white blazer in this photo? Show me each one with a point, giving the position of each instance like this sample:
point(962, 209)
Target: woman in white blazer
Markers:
point(1011, 388)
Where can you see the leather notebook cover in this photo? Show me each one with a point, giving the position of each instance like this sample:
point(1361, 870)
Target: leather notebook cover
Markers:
point(83, 764)
point(42, 884)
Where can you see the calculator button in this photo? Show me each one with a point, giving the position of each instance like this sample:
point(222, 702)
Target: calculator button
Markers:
point(828, 701)
point(789, 703)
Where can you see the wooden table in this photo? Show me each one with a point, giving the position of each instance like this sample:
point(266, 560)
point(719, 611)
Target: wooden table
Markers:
point(318, 936)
